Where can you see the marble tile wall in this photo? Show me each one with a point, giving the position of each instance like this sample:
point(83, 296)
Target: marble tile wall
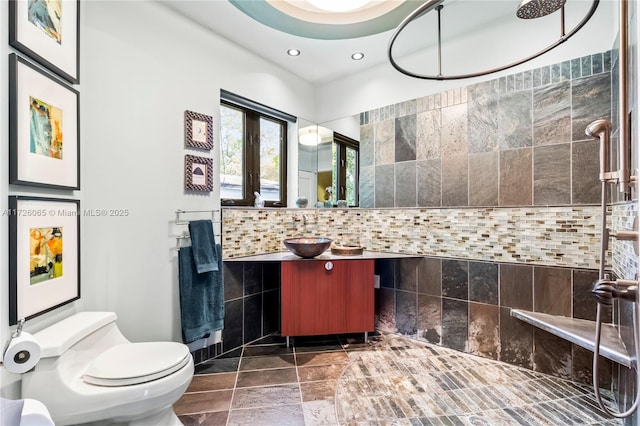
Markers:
point(513, 141)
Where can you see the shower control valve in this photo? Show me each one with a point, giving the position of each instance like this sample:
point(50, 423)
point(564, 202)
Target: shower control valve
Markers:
point(606, 289)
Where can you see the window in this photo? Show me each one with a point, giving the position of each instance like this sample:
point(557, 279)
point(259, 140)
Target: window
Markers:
point(345, 169)
point(253, 149)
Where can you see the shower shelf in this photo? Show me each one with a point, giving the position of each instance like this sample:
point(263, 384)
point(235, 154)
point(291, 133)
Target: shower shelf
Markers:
point(579, 331)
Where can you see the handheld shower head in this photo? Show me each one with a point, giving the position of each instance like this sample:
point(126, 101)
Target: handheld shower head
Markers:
point(601, 129)
point(596, 128)
point(531, 9)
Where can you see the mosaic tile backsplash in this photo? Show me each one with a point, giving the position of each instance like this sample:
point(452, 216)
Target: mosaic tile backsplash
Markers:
point(554, 236)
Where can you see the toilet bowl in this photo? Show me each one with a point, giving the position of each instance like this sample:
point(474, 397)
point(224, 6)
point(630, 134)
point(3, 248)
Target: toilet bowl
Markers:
point(90, 373)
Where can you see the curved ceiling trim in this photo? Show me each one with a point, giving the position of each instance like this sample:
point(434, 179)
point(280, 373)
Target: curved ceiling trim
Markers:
point(268, 15)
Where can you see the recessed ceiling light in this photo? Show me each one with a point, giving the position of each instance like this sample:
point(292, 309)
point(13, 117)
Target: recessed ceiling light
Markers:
point(357, 56)
point(293, 52)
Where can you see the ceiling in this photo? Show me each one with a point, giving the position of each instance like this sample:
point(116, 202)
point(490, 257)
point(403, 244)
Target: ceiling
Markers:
point(324, 60)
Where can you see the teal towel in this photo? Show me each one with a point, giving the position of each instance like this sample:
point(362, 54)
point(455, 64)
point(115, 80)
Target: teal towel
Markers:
point(201, 297)
point(204, 245)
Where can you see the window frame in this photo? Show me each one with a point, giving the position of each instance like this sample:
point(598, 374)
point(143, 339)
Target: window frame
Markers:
point(342, 143)
point(251, 156)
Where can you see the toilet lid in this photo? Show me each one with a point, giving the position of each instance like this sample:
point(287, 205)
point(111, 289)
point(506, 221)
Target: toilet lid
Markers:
point(134, 363)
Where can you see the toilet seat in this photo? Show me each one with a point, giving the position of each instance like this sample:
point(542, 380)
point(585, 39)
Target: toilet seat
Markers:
point(135, 363)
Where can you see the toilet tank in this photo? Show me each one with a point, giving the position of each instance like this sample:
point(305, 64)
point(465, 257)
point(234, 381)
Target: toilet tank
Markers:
point(59, 337)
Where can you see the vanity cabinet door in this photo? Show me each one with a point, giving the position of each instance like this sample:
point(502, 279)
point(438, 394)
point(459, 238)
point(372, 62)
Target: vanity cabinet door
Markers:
point(327, 297)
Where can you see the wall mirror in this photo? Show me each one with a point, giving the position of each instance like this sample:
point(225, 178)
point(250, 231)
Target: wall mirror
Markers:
point(328, 156)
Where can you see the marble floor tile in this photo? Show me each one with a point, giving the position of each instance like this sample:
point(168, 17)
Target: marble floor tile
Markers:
point(203, 402)
point(265, 396)
point(282, 415)
point(209, 382)
point(319, 413)
point(205, 419)
point(317, 391)
point(266, 377)
point(321, 358)
point(265, 362)
point(218, 365)
point(390, 380)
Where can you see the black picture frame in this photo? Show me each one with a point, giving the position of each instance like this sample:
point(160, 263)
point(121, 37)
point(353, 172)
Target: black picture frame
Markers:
point(198, 130)
point(44, 255)
point(48, 39)
point(38, 97)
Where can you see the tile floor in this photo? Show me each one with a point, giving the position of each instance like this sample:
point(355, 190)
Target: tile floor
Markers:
point(392, 380)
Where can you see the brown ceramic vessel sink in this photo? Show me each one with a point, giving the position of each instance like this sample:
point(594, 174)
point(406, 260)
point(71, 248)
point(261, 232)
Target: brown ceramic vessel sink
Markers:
point(307, 247)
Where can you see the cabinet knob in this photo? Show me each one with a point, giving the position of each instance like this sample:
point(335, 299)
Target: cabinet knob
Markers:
point(328, 266)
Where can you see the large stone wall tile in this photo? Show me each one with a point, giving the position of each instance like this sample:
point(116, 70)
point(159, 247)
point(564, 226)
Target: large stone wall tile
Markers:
point(516, 340)
point(591, 100)
point(516, 286)
point(483, 282)
point(430, 276)
point(455, 279)
point(585, 184)
point(484, 330)
point(367, 145)
point(515, 120)
point(516, 176)
point(454, 130)
point(552, 174)
point(405, 138)
point(405, 175)
point(385, 305)
point(430, 318)
point(384, 186)
point(455, 324)
point(455, 177)
point(552, 114)
point(406, 313)
point(552, 292)
point(429, 183)
point(428, 135)
point(483, 179)
point(483, 116)
point(552, 354)
point(366, 190)
point(385, 146)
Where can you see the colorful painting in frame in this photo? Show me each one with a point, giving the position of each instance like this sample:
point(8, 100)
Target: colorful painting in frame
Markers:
point(48, 31)
point(44, 145)
point(44, 255)
point(198, 173)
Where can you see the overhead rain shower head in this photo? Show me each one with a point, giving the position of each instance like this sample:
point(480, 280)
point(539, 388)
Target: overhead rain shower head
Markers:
point(531, 9)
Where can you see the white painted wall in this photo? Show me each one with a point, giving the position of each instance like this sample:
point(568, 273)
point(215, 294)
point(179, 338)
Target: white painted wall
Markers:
point(382, 85)
point(141, 67)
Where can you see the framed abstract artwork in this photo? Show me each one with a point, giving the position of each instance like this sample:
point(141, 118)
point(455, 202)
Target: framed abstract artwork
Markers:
point(198, 130)
point(198, 173)
point(44, 255)
point(44, 121)
point(49, 33)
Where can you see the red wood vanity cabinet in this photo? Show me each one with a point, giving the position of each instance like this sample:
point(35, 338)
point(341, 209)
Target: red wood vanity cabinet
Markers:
point(327, 297)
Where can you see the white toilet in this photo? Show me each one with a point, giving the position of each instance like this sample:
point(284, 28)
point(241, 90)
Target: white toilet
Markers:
point(90, 373)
